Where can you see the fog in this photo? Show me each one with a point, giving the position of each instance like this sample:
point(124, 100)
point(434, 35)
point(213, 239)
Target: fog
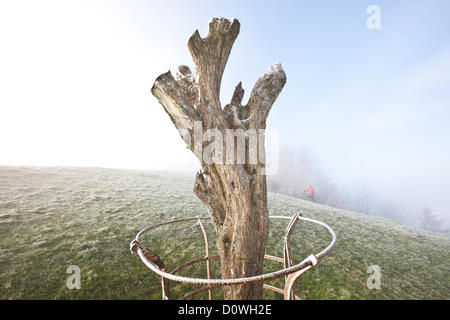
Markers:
point(363, 117)
point(402, 201)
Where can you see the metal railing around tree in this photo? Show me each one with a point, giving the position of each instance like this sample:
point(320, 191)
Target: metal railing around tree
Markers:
point(290, 271)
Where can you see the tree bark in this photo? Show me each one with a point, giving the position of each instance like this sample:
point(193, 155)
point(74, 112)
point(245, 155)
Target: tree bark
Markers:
point(235, 193)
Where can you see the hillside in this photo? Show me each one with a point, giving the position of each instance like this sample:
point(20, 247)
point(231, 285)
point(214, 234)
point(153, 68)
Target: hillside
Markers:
point(51, 218)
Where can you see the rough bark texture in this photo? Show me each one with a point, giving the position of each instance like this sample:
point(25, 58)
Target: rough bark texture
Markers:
point(235, 194)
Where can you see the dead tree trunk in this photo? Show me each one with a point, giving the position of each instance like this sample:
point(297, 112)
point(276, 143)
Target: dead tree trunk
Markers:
point(234, 191)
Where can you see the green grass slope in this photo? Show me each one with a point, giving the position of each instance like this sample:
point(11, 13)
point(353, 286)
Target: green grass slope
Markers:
point(51, 218)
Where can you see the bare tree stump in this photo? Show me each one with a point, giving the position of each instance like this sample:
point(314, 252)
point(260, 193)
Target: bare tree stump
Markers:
point(234, 192)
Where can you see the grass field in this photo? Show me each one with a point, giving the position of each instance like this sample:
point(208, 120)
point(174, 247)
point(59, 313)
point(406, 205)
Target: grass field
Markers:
point(51, 218)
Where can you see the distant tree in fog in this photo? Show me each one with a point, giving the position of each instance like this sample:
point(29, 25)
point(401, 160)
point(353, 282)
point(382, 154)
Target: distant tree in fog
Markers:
point(430, 221)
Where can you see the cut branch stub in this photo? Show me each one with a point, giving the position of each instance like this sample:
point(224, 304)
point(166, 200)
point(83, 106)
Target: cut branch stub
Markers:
point(264, 94)
point(173, 97)
point(210, 56)
point(234, 111)
point(238, 95)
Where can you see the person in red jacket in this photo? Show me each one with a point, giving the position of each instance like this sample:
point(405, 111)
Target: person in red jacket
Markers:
point(310, 192)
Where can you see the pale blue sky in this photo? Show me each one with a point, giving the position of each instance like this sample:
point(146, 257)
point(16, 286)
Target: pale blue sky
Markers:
point(373, 105)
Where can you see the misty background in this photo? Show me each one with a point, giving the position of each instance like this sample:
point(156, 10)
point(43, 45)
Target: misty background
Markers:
point(363, 117)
